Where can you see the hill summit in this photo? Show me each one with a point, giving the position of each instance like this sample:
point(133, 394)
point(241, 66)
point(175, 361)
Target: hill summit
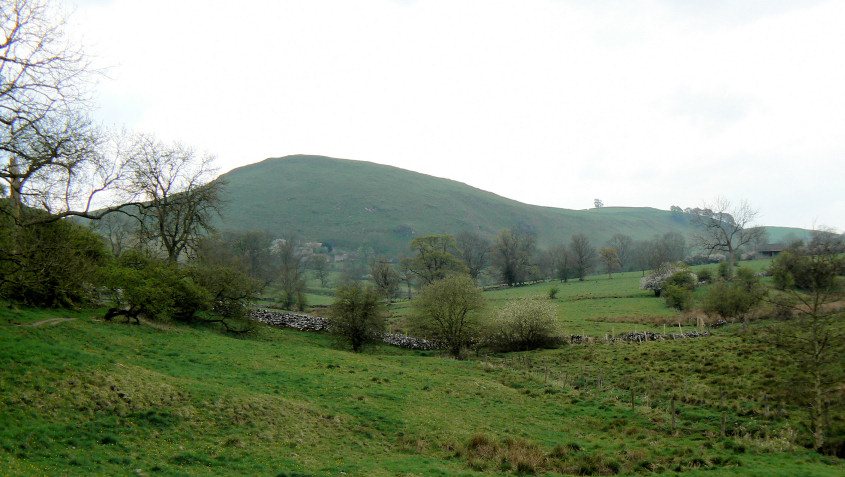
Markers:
point(348, 203)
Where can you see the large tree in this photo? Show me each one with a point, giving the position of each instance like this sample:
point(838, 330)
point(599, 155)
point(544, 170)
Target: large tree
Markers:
point(610, 259)
point(357, 318)
point(291, 271)
point(512, 252)
point(179, 198)
point(723, 226)
point(51, 155)
point(385, 277)
point(562, 259)
point(434, 257)
point(474, 250)
point(583, 254)
point(624, 246)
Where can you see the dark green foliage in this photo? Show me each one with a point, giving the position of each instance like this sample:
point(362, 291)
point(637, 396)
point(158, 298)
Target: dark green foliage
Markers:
point(291, 272)
point(682, 279)
point(51, 264)
point(678, 297)
point(735, 299)
point(812, 333)
point(144, 286)
point(434, 258)
point(357, 317)
point(724, 271)
point(159, 290)
point(677, 290)
point(228, 290)
point(705, 275)
point(800, 271)
point(512, 250)
point(553, 291)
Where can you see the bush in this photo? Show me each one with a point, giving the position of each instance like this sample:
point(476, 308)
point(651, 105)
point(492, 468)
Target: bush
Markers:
point(656, 280)
point(357, 318)
point(705, 275)
point(735, 299)
point(523, 324)
point(142, 286)
point(724, 271)
point(50, 265)
point(553, 291)
point(678, 297)
point(229, 290)
point(157, 290)
point(448, 310)
point(683, 279)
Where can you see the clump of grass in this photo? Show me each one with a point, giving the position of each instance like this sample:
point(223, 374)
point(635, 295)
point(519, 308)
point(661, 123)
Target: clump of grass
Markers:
point(519, 454)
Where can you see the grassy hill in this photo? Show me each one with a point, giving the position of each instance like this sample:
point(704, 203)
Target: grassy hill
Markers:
point(347, 203)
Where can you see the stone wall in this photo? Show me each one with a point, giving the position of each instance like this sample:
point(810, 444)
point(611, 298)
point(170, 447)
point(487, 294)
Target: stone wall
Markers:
point(316, 323)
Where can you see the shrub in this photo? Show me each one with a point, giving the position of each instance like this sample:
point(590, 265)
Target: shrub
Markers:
point(143, 286)
point(705, 275)
point(684, 279)
point(357, 318)
point(229, 290)
point(524, 324)
point(448, 310)
point(735, 299)
point(724, 271)
point(678, 297)
point(553, 291)
point(656, 280)
point(49, 265)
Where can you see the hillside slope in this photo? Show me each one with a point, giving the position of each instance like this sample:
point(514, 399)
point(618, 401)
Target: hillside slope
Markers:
point(348, 203)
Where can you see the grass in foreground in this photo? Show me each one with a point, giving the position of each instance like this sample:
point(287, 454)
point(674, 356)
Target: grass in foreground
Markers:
point(93, 398)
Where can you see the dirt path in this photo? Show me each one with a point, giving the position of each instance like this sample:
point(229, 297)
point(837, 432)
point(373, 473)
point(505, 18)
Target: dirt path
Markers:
point(51, 321)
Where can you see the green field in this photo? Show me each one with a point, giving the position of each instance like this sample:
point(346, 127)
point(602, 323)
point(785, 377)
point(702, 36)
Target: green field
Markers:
point(87, 397)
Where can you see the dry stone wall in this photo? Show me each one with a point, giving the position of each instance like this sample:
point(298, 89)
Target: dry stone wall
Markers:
point(315, 323)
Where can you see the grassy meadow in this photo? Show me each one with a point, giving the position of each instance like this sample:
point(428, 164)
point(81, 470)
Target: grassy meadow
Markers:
point(88, 397)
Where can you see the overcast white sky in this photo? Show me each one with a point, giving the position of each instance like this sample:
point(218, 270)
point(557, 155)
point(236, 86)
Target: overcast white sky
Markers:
point(555, 103)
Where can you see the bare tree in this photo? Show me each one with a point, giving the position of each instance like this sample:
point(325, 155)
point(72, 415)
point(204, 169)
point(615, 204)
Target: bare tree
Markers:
point(291, 271)
point(474, 250)
point(512, 252)
point(51, 155)
point(721, 226)
point(179, 199)
point(320, 265)
point(610, 259)
point(562, 261)
point(385, 277)
point(583, 254)
point(624, 246)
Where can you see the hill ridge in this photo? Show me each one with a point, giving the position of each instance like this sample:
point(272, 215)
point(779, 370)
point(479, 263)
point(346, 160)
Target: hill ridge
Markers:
point(348, 203)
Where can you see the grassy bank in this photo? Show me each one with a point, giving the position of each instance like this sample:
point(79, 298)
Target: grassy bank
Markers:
point(89, 397)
